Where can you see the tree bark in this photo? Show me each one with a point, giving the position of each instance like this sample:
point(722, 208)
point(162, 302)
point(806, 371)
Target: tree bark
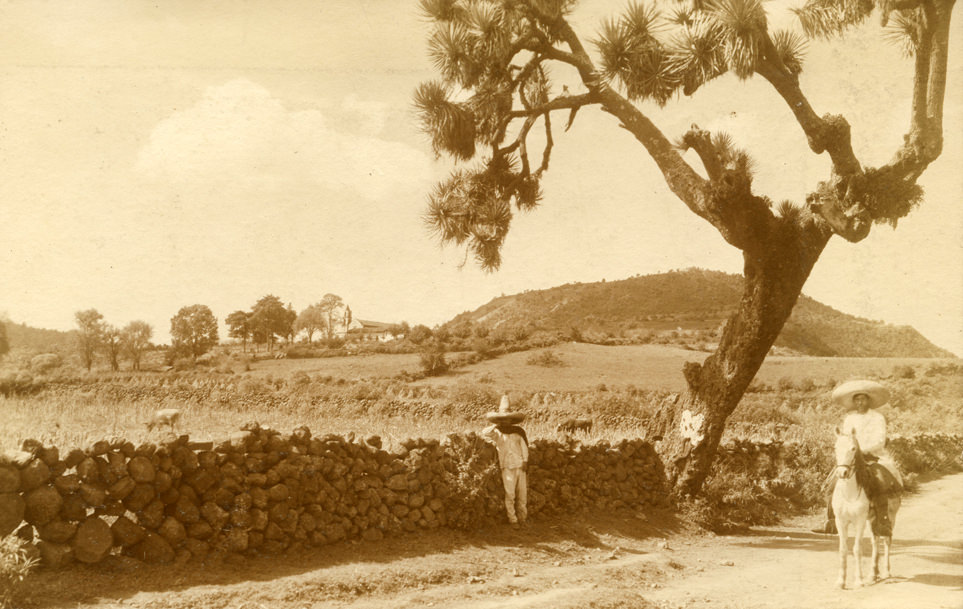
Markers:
point(691, 424)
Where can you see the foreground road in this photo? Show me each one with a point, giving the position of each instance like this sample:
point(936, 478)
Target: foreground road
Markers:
point(601, 561)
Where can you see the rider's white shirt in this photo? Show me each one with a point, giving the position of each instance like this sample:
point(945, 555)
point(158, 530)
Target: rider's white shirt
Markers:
point(871, 434)
point(870, 431)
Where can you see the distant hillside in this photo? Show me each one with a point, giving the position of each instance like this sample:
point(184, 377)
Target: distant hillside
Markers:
point(24, 339)
point(688, 307)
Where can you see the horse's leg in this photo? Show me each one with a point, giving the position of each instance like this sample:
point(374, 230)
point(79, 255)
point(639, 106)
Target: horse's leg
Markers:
point(874, 560)
point(894, 505)
point(841, 527)
point(858, 527)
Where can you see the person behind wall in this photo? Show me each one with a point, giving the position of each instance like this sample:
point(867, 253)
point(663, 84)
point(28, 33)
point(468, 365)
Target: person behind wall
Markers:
point(861, 398)
point(512, 445)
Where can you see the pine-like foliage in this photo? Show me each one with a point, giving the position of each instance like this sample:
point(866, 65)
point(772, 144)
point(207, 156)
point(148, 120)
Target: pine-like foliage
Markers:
point(495, 87)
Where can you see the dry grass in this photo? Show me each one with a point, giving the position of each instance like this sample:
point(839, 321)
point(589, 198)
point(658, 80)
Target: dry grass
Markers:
point(619, 387)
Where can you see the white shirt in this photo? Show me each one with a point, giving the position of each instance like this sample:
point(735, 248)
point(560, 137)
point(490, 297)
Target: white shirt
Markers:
point(512, 449)
point(870, 431)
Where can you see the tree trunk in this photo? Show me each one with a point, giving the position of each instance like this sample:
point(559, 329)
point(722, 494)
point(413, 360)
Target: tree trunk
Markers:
point(692, 424)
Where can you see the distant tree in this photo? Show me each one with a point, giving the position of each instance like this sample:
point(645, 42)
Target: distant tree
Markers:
point(194, 330)
point(290, 317)
point(135, 340)
point(269, 320)
point(239, 326)
point(4, 343)
point(505, 67)
point(331, 307)
point(111, 345)
point(90, 326)
point(419, 334)
point(310, 320)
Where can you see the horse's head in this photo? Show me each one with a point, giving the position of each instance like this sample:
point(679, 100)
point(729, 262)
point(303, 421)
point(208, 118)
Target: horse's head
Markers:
point(848, 456)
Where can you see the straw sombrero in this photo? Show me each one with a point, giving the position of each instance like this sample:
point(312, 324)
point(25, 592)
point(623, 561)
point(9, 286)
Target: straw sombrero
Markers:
point(878, 395)
point(503, 416)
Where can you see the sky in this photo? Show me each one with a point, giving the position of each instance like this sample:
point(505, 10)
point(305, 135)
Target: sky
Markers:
point(155, 155)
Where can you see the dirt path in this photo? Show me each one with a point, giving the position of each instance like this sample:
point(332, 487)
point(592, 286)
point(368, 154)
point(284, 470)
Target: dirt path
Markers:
point(603, 561)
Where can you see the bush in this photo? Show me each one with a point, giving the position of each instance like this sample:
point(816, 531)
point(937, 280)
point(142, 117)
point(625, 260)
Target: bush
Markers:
point(904, 372)
point(45, 362)
point(16, 563)
point(547, 358)
point(433, 361)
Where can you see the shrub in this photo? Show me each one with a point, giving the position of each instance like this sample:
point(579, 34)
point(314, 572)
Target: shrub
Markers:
point(433, 361)
point(904, 372)
point(16, 563)
point(547, 358)
point(45, 362)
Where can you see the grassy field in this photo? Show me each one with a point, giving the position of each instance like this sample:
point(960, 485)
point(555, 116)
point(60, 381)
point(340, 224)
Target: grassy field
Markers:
point(620, 387)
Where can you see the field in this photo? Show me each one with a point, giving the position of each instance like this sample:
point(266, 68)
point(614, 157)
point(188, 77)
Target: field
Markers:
point(618, 386)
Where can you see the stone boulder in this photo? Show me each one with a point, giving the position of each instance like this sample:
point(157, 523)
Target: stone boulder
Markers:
point(42, 505)
point(92, 541)
point(12, 507)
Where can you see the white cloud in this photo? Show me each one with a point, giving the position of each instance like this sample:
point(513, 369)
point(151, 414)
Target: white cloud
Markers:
point(238, 133)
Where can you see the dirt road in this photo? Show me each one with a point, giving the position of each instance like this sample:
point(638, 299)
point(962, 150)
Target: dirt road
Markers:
point(600, 561)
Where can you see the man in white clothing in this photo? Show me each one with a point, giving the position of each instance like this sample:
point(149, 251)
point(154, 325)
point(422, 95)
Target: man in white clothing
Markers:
point(869, 427)
point(512, 445)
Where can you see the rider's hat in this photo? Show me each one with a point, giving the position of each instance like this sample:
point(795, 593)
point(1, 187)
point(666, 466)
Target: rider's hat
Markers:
point(877, 394)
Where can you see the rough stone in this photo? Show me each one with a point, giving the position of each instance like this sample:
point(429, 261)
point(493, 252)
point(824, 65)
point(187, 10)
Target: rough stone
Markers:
point(57, 531)
point(42, 505)
point(33, 475)
point(153, 549)
point(173, 531)
point(9, 479)
point(55, 555)
point(12, 508)
point(74, 508)
point(122, 488)
point(141, 469)
point(126, 532)
point(92, 541)
point(94, 495)
point(214, 515)
point(67, 484)
point(236, 540)
point(140, 497)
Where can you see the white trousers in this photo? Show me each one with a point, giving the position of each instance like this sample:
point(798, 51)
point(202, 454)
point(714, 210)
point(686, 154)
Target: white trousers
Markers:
point(516, 491)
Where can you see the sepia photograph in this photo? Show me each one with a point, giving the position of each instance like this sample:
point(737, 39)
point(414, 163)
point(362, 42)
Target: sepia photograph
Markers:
point(477, 304)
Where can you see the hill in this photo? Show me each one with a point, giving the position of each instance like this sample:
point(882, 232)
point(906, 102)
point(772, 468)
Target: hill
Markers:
point(687, 308)
point(25, 339)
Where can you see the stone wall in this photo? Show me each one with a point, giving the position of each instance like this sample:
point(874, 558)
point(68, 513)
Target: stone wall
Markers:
point(261, 492)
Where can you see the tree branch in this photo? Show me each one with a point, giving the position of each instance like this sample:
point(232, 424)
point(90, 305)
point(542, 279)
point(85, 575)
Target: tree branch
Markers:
point(827, 134)
point(562, 102)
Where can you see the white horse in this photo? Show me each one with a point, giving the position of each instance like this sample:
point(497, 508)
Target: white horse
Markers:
point(851, 505)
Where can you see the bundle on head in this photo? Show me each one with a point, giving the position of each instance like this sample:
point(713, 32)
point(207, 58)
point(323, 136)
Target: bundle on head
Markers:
point(165, 416)
point(573, 425)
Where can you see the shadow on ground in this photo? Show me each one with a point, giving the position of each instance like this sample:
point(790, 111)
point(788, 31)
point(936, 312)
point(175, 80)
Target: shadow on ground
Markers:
point(122, 579)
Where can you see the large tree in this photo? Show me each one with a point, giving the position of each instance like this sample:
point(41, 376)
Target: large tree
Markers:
point(111, 345)
point(90, 333)
point(335, 313)
point(495, 88)
point(239, 326)
point(270, 319)
point(194, 330)
point(135, 340)
point(310, 320)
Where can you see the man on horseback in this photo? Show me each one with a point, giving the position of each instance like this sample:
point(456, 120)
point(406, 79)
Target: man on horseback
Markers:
point(861, 398)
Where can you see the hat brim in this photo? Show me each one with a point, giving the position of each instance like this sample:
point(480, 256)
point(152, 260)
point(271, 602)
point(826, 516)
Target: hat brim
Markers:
point(505, 417)
point(844, 394)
